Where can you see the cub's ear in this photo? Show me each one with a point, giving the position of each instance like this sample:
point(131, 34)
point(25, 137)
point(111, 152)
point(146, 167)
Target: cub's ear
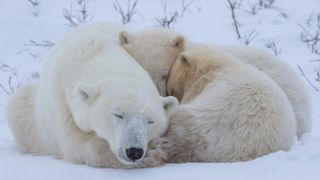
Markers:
point(125, 37)
point(170, 103)
point(178, 42)
point(87, 93)
point(184, 59)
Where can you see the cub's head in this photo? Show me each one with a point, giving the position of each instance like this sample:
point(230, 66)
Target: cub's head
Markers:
point(195, 63)
point(181, 73)
point(155, 50)
point(126, 119)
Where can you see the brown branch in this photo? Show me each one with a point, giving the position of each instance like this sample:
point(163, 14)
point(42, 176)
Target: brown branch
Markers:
point(232, 6)
point(311, 33)
point(81, 16)
point(43, 43)
point(169, 18)
point(270, 44)
point(307, 79)
point(128, 14)
point(34, 2)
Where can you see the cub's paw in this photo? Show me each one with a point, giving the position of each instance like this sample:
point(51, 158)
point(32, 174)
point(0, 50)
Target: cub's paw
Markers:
point(161, 145)
point(155, 156)
point(150, 162)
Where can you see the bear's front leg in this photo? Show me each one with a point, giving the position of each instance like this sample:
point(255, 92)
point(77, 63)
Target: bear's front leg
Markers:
point(99, 154)
point(88, 149)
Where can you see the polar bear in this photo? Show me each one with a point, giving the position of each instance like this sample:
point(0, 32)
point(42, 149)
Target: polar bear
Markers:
point(155, 50)
point(94, 104)
point(284, 76)
point(229, 110)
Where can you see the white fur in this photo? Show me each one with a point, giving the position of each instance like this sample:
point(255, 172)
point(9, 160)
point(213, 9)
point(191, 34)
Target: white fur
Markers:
point(284, 76)
point(73, 111)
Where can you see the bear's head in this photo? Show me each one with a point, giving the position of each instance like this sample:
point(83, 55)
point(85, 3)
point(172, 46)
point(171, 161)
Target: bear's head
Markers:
point(194, 67)
point(155, 50)
point(126, 119)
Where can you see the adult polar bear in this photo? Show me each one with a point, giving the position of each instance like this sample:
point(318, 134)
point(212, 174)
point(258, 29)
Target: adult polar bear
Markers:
point(94, 104)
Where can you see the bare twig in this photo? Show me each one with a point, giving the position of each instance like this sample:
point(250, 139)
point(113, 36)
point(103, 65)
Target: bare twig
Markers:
point(27, 50)
point(266, 3)
point(166, 20)
point(311, 33)
point(307, 79)
point(5, 90)
point(317, 74)
point(12, 82)
point(281, 12)
point(81, 15)
point(126, 13)
point(43, 43)
point(68, 15)
point(32, 43)
point(252, 8)
point(171, 17)
point(271, 44)
point(248, 37)
point(34, 2)
point(233, 5)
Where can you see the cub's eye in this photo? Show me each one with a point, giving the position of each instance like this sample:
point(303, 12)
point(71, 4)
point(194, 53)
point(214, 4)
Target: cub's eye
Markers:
point(150, 122)
point(164, 77)
point(118, 116)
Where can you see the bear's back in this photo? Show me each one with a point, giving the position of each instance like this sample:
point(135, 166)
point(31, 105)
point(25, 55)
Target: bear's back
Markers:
point(94, 51)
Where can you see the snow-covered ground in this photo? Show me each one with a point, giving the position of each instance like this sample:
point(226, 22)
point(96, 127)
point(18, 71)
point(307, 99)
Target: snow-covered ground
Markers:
point(205, 21)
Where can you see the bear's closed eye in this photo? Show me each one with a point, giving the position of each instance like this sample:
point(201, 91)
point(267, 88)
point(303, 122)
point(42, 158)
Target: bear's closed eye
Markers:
point(118, 116)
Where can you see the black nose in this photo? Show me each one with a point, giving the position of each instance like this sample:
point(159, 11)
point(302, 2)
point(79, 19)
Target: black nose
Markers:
point(134, 153)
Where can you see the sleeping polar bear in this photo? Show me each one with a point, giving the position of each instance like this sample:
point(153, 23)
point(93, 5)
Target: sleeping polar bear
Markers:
point(94, 104)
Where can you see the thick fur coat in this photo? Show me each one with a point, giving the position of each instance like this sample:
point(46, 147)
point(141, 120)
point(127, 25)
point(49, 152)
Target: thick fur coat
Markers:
point(229, 110)
point(286, 78)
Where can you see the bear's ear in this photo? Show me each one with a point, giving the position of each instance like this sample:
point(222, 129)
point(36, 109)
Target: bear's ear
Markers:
point(87, 94)
point(170, 103)
point(178, 42)
point(125, 38)
point(184, 59)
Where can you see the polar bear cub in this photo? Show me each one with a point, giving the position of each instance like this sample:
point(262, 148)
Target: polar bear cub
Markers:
point(94, 104)
point(229, 110)
point(155, 50)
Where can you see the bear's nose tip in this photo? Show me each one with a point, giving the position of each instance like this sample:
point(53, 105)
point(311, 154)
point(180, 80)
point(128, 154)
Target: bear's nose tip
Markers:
point(134, 153)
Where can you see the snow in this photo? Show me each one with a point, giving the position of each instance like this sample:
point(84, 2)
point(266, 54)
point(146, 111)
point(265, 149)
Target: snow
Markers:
point(207, 21)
